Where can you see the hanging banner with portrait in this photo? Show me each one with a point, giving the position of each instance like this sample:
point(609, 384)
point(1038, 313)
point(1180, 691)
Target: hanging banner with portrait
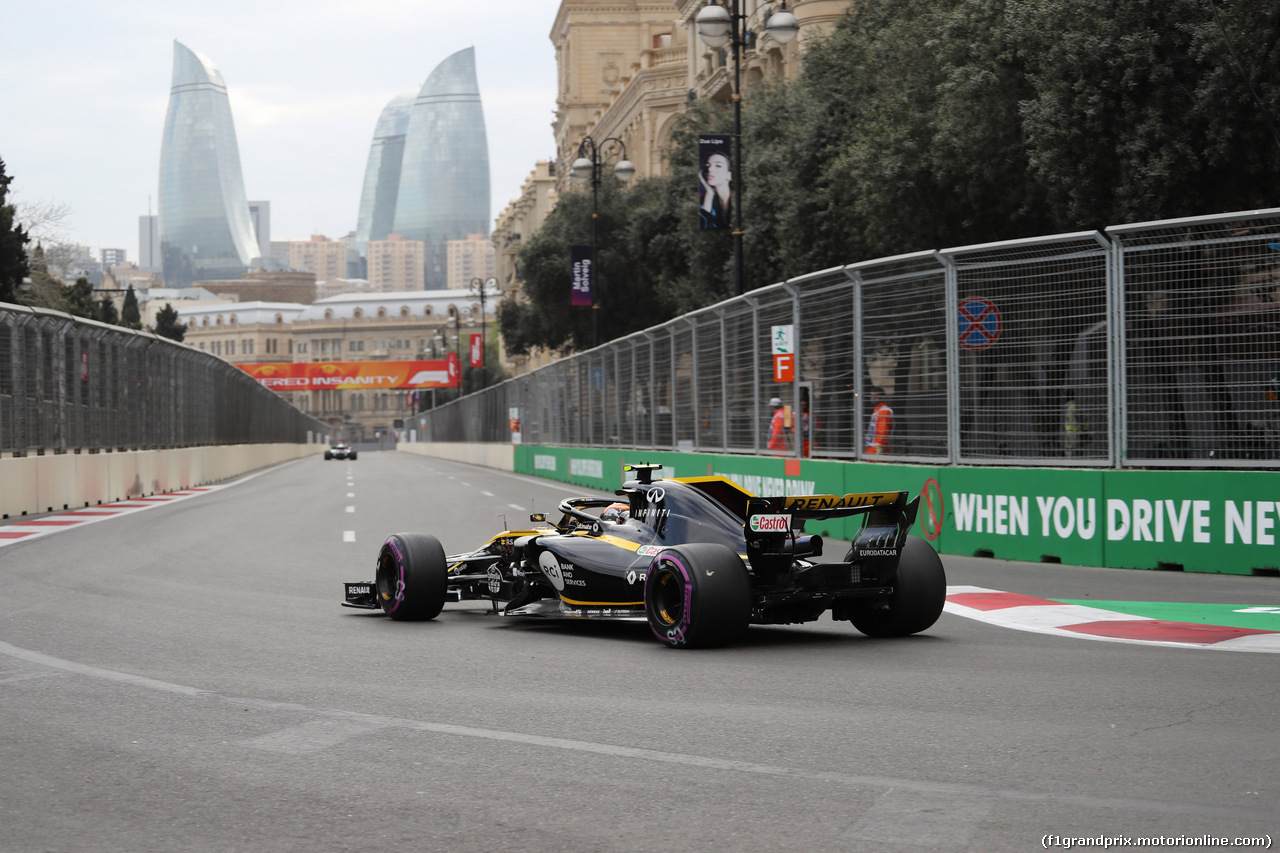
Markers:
point(583, 276)
point(715, 182)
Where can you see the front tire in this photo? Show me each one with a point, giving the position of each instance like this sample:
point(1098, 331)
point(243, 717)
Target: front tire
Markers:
point(412, 577)
point(697, 595)
point(917, 598)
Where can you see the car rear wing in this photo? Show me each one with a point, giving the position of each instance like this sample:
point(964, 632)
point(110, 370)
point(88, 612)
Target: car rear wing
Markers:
point(804, 507)
point(774, 525)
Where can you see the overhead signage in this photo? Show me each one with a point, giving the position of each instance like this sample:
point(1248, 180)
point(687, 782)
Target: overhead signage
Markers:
point(350, 375)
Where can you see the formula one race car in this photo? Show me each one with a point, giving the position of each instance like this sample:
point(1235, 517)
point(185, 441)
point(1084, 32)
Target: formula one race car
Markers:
point(340, 451)
point(698, 558)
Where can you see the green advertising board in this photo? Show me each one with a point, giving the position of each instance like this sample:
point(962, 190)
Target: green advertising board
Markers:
point(1207, 521)
point(1039, 514)
point(1200, 521)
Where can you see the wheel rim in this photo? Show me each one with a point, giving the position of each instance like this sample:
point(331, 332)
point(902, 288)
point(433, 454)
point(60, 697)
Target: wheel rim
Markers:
point(667, 598)
point(387, 577)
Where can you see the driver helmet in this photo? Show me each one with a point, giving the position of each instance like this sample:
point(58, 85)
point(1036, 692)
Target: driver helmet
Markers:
point(616, 513)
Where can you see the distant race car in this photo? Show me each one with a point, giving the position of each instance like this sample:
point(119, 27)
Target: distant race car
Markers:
point(340, 451)
point(698, 558)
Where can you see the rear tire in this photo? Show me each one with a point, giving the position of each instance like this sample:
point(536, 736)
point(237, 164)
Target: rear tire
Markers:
point(412, 577)
point(353, 456)
point(697, 595)
point(917, 598)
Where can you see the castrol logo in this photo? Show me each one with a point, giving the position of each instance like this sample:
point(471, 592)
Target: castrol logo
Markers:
point(770, 523)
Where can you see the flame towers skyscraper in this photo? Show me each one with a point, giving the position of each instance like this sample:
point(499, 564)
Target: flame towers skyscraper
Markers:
point(205, 228)
point(382, 174)
point(444, 172)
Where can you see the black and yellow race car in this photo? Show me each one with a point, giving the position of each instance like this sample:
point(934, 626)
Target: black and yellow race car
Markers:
point(698, 558)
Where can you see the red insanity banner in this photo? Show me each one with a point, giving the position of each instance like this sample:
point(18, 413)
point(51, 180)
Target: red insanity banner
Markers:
point(348, 375)
point(477, 352)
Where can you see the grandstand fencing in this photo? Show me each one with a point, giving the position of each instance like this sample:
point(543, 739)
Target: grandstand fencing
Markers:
point(1147, 345)
point(70, 384)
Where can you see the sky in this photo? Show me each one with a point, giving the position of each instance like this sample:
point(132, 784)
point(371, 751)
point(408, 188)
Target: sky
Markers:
point(84, 87)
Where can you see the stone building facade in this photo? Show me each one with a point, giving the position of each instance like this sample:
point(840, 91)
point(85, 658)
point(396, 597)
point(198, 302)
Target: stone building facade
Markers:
point(266, 287)
point(627, 68)
point(521, 218)
point(324, 257)
point(405, 326)
point(395, 264)
point(468, 260)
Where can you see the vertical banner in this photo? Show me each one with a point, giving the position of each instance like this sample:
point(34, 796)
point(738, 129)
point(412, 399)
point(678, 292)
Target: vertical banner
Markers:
point(583, 276)
point(477, 353)
point(715, 182)
point(451, 361)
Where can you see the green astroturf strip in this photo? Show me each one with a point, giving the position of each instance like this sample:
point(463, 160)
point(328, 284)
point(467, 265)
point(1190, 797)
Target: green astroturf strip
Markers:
point(1258, 617)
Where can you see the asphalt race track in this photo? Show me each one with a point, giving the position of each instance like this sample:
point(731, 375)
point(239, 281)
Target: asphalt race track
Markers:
point(182, 677)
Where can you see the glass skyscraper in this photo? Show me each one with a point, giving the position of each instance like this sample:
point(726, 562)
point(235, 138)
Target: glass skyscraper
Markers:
point(382, 174)
point(205, 229)
point(444, 174)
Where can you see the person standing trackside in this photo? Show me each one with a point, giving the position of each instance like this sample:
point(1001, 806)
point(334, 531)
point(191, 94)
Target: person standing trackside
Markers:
point(778, 429)
point(880, 427)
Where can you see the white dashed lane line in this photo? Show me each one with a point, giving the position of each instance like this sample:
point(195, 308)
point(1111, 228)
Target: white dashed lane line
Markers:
point(350, 535)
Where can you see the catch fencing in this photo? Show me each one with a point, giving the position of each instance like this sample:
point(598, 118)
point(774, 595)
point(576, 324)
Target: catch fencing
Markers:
point(1147, 345)
point(69, 384)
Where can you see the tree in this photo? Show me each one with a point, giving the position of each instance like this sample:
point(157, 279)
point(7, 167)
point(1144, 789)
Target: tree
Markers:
point(629, 271)
point(43, 289)
point(79, 300)
point(107, 311)
point(130, 316)
point(167, 324)
point(475, 378)
point(13, 241)
point(923, 124)
point(1139, 110)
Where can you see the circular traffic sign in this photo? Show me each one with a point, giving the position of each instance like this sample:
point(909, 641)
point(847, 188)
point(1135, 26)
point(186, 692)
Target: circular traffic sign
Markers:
point(980, 323)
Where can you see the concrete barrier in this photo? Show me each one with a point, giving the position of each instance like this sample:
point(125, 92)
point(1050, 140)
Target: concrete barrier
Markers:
point(54, 482)
point(500, 456)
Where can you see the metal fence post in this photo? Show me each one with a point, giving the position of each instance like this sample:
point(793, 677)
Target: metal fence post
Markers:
point(858, 367)
point(951, 301)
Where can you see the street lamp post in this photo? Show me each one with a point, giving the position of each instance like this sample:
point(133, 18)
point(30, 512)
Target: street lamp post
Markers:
point(718, 26)
point(586, 169)
point(478, 288)
point(457, 345)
